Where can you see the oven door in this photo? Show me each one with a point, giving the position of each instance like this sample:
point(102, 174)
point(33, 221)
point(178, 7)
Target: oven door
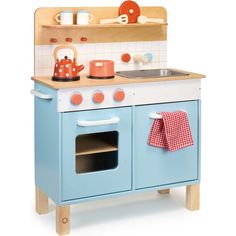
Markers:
point(96, 152)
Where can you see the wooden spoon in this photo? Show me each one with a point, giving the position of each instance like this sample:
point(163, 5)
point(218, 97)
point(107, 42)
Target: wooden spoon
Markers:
point(143, 19)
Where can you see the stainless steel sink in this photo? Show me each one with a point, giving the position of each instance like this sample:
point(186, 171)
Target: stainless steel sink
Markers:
point(156, 73)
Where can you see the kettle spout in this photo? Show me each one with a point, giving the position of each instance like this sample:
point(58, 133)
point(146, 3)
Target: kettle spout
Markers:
point(80, 68)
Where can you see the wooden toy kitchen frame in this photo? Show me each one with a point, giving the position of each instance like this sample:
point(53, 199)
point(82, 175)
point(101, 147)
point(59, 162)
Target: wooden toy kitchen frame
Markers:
point(93, 151)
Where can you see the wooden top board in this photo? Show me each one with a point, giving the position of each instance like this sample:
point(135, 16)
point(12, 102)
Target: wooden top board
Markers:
point(85, 82)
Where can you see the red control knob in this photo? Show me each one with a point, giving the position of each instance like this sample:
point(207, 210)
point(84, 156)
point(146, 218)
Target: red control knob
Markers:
point(76, 99)
point(98, 97)
point(119, 95)
point(125, 57)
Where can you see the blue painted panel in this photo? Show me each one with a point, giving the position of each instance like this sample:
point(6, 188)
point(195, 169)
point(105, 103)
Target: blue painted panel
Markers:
point(102, 182)
point(124, 193)
point(47, 145)
point(155, 166)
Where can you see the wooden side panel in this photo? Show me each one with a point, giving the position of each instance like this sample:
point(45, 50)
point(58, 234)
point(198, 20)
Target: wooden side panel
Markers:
point(122, 33)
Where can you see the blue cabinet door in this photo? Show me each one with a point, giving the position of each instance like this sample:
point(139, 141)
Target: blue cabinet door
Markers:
point(155, 166)
point(87, 184)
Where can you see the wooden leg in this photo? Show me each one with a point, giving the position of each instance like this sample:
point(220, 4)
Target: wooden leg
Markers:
point(41, 202)
point(193, 197)
point(164, 191)
point(63, 219)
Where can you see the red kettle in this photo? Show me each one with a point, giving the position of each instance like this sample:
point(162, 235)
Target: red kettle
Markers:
point(66, 69)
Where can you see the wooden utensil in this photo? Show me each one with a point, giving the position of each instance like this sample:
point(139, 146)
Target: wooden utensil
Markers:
point(144, 19)
point(131, 9)
point(122, 19)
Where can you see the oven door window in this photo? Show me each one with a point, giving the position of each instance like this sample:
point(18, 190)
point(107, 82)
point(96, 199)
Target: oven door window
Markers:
point(96, 152)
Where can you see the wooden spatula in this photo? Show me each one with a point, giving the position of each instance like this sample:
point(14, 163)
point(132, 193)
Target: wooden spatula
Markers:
point(122, 19)
point(144, 19)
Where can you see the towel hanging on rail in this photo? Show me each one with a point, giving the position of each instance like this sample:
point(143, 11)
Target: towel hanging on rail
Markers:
point(171, 130)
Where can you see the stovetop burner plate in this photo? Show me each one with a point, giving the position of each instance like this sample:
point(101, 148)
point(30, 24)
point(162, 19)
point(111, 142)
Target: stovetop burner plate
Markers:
point(105, 77)
point(57, 79)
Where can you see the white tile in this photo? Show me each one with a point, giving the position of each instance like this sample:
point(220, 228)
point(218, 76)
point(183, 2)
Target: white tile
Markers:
point(110, 51)
point(115, 47)
point(116, 57)
point(38, 62)
point(98, 48)
point(90, 49)
point(48, 49)
point(108, 48)
point(38, 71)
point(82, 58)
point(132, 47)
point(47, 72)
point(38, 51)
point(82, 48)
point(163, 64)
point(163, 45)
point(48, 61)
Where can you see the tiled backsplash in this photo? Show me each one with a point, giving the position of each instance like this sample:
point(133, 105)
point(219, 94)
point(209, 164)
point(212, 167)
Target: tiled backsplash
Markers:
point(44, 61)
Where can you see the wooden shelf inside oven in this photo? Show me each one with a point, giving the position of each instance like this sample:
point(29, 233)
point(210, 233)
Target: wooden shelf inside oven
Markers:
point(102, 26)
point(89, 145)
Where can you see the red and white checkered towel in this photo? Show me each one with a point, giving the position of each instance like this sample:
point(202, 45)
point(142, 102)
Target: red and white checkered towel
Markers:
point(171, 132)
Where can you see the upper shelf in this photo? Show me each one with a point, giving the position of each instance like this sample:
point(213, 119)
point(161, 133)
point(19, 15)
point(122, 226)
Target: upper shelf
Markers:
point(46, 27)
point(102, 26)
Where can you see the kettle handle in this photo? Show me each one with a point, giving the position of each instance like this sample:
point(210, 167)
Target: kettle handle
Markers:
point(64, 46)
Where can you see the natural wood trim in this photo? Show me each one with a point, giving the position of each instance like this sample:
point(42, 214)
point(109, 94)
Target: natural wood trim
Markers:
point(85, 82)
point(164, 191)
point(193, 197)
point(41, 201)
point(102, 26)
point(63, 220)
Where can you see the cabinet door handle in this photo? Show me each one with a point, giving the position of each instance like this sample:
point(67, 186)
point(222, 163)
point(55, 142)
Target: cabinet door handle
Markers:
point(157, 116)
point(84, 123)
point(38, 94)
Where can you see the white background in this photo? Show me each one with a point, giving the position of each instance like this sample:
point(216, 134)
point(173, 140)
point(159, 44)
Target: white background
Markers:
point(201, 38)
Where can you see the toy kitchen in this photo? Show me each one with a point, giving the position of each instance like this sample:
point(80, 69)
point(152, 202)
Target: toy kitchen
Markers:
point(110, 117)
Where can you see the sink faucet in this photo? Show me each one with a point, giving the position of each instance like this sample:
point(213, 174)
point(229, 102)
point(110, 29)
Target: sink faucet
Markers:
point(143, 58)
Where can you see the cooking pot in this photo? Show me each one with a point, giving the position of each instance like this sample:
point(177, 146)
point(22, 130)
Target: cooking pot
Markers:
point(66, 69)
point(101, 69)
